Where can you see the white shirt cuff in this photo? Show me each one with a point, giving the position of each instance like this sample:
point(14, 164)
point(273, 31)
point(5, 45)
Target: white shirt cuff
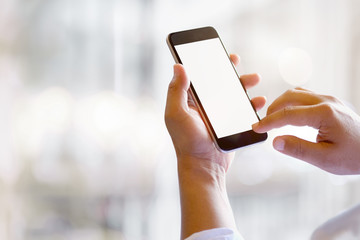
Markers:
point(216, 234)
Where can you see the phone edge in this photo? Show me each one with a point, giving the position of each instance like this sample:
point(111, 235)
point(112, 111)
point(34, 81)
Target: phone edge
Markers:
point(208, 125)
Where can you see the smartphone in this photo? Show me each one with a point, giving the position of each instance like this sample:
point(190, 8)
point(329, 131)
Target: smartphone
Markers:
point(216, 88)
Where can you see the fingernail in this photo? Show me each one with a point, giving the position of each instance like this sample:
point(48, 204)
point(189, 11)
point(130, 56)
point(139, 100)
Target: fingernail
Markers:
point(279, 144)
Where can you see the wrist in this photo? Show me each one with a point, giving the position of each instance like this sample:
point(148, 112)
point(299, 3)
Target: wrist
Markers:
point(195, 173)
point(204, 201)
point(201, 169)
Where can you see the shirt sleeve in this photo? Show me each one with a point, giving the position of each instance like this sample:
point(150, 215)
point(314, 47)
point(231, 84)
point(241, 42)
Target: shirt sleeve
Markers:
point(216, 234)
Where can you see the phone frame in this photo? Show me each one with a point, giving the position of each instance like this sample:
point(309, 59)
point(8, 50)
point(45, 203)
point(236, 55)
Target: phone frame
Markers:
point(228, 143)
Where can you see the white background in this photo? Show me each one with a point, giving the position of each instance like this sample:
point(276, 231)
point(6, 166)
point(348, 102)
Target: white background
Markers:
point(84, 152)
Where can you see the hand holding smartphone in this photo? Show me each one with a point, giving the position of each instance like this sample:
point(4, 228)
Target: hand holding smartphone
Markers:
point(216, 88)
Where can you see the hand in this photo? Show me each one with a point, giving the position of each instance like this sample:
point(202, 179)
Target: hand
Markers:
point(337, 147)
point(201, 166)
point(186, 127)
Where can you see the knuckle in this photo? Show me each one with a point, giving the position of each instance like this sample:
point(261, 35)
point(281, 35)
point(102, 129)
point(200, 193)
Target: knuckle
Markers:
point(172, 86)
point(269, 110)
point(287, 111)
point(327, 109)
point(331, 98)
point(289, 92)
point(293, 91)
point(299, 150)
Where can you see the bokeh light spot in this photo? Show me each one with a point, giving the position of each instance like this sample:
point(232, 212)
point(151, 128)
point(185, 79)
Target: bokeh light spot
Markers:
point(295, 66)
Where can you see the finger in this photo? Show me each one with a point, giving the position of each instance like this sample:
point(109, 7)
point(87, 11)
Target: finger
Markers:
point(258, 102)
point(250, 80)
point(303, 89)
point(235, 59)
point(313, 153)
point(177, 98)
point(312, 116)
point(294, 97)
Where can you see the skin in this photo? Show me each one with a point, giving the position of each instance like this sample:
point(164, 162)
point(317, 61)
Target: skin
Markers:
point(337, 147)
point(201, 167)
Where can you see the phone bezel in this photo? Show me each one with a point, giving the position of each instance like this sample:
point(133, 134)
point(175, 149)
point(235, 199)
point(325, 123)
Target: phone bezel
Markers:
point(228, 143)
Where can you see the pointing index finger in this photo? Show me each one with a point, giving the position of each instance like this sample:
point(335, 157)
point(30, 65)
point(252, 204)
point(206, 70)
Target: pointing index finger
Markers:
point(294, 97)
point(292, 115)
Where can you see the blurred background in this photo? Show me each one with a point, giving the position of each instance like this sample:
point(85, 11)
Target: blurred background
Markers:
point(84, 153)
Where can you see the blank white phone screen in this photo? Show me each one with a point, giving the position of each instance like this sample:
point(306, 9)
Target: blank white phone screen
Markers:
point(217, 86)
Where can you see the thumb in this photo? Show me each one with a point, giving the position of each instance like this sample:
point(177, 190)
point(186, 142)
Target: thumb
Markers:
point(310, 152)
point(177, 92)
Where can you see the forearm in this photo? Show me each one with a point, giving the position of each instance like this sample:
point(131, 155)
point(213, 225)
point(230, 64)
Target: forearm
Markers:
point(204, 200)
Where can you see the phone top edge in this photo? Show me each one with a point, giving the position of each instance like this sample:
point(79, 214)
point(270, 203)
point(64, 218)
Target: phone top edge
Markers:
point(192, 35)
point(227, 143)
point(206, 28)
